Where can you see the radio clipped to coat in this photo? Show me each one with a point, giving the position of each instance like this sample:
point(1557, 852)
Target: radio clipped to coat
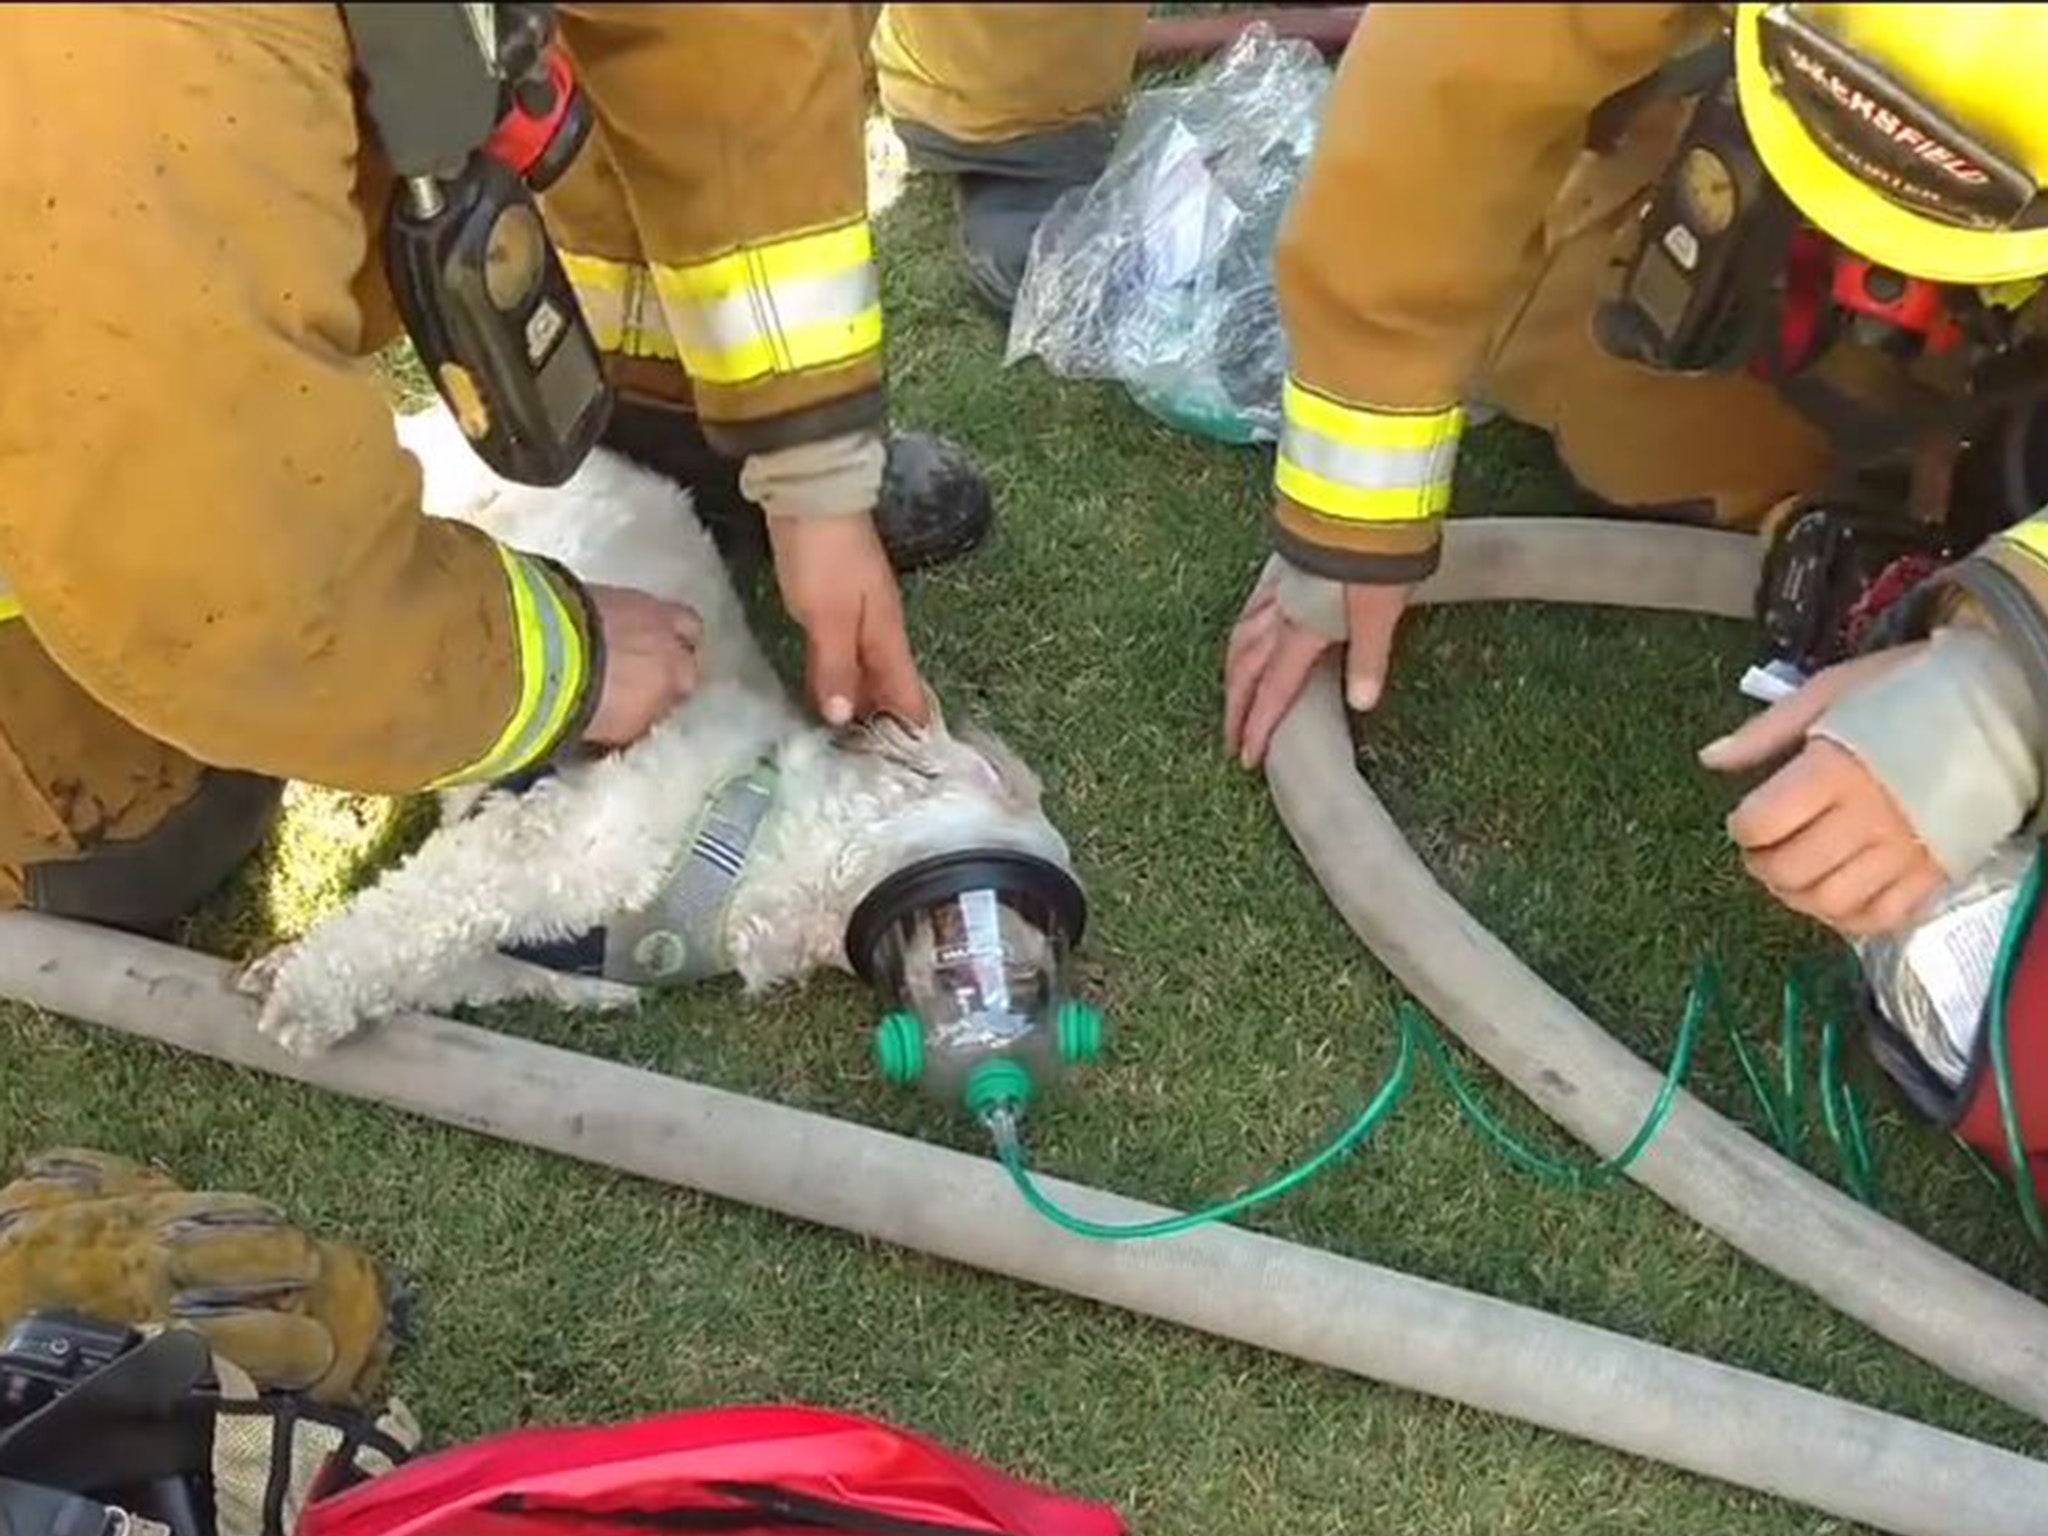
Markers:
point(478, 109)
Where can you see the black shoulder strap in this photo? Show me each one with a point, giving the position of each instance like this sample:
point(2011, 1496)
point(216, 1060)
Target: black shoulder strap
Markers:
point(27, 1509)
point(136, 1421)
point(768, 1509)
point(143, 1429)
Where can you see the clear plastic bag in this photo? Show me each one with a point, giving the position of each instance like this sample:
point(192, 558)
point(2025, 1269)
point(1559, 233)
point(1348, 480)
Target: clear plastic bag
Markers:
point(1160, 275)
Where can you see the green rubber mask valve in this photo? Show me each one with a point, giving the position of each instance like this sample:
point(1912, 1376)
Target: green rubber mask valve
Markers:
point(997, 1084)
point(899, 1049)
point(1080, 1033)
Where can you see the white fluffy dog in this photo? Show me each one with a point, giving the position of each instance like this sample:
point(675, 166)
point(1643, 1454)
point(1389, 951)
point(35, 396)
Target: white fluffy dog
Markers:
point(601, 840)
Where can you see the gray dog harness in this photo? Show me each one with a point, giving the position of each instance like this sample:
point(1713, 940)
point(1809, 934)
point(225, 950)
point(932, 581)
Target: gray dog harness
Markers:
point(679, 937)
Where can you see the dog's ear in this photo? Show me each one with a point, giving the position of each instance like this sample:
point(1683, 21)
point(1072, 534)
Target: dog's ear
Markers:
point(931, 752)
point(1016, 786)
point(915, 747)
point(895, 741)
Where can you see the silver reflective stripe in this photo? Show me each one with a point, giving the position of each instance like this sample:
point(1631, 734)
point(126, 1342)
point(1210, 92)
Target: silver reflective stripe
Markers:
point(1368, 469)
point(723, 327)
point(555, 643)
point(552, 673)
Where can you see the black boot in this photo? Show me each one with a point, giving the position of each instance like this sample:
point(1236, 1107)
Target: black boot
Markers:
point(146, 885)
point(999, 216)
point(1003, 192)
point(935, 506)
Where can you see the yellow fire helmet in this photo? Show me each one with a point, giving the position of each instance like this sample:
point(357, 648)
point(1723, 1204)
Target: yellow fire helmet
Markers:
point(1916, 135)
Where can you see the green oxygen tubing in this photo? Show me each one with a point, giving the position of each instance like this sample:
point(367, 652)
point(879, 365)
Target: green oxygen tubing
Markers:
point(1781, 1101)
point(1781, 1104)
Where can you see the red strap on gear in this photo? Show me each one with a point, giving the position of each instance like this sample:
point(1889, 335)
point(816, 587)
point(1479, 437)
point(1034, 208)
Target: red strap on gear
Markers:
point(1910, 303)
point(1892, 583)
point(520, 140)
point(1821, 275)
point(1802, 306)
point(795, 1470)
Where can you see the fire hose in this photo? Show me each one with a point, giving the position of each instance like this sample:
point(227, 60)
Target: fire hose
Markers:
point(1854, 1462)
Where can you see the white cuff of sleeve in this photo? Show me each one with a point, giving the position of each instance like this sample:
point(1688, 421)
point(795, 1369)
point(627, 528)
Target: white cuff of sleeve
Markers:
point(1955, 736)
point(838, 477)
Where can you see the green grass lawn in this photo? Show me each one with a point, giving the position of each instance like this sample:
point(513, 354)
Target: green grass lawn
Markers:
point(1544, 761)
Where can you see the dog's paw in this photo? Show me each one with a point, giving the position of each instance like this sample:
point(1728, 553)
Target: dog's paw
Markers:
point(302, 1027)
point(303, 1018)
point(258, 978)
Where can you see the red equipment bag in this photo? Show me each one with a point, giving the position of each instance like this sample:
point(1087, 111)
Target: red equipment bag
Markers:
point(1980, 1120)
point(763, 1471)
point(1974, 1109)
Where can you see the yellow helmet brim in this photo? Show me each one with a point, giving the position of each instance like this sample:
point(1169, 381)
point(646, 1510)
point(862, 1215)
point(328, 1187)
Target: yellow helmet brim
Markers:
point(1843, 206)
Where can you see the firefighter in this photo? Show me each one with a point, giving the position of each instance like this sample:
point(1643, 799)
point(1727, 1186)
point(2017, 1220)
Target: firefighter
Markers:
point(1467, 205)
point(1013, 102)
point(216, 570)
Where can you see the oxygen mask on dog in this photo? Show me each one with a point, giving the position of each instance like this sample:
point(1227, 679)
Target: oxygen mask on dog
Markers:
point(971, 955)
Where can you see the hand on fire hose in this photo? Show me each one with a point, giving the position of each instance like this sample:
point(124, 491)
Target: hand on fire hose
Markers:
point(650, 663)
point(89, 1233)
point(835, 576)
point(1290, 622)
point(1912, 765)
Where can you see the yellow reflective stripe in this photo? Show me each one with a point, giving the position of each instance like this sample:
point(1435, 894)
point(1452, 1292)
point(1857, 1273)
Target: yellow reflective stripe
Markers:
point(2012, 295)
point(620, 305)
point(778, 261)
point(10, 605)
point(553, 669)
point(601, 294)
point(811, 301)
point(574, 674)
point(1333, 498)
point(1363, 465)
point(1360, 427)
point(2030, 536)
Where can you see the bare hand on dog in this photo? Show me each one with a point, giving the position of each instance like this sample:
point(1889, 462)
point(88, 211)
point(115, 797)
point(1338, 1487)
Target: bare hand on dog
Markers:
point(650, 663)
point(1822, 835)
point(1271, 656)
point(837, 583)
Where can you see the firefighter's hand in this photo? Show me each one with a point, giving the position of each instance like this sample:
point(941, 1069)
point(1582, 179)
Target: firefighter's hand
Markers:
point(650, 663)
point(1272, 652)
point(837, 583)
point(1822, 834)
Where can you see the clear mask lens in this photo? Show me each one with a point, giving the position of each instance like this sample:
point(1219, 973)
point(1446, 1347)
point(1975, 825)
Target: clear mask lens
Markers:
point(984, 971)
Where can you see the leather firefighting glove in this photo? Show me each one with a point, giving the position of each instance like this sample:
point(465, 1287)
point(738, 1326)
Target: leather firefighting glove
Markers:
point(90, 1233)
point(1955, 736)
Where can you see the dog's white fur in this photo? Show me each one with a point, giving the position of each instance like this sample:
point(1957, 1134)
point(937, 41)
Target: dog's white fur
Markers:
point(600, 839)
